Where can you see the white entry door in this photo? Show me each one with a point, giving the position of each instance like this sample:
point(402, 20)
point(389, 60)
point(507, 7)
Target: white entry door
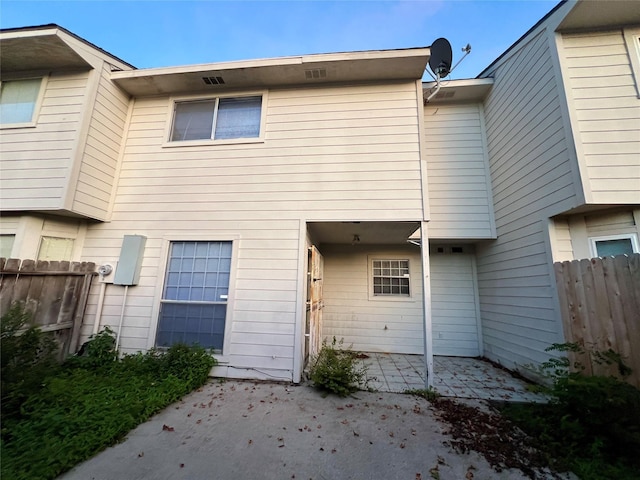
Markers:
point(454, 312)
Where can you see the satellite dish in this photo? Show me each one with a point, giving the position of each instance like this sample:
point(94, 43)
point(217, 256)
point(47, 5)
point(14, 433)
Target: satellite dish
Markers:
point(441, 57)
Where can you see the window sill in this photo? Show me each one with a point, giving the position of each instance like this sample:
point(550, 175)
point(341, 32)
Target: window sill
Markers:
point(8, 126)
point(391, 298)
point(212, 143)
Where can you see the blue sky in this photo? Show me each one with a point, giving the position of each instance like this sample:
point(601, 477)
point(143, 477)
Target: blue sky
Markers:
point(170, 33)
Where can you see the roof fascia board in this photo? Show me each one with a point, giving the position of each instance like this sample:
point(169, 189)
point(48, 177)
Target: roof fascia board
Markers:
point(273, 62)
point(550, 21)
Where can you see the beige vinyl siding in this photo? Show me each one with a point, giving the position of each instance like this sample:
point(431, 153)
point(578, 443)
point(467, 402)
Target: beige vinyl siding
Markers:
point(457, 172)
point(365, 323)
point(9, 225)
point(36, 160)
point(601, 224)
point(330, 153)
point(603, 93)
point(610, 223)
point(453, 306)
point(100, 154)
point(532, 180)
point(561, 245)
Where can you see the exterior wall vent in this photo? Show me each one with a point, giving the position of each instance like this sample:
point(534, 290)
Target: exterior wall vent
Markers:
point(440, 95)
point(213, 80)
point(315, 74)
point(449, 249)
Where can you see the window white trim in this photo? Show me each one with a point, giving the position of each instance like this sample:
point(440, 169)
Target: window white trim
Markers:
point(36, 107)
point(390, 297)
point(206, 142)
point(222, 357)
point(632, 41)
point(624, 236)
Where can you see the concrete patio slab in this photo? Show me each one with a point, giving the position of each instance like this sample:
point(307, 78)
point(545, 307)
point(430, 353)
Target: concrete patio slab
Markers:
point(459, 377)
point(245, 430)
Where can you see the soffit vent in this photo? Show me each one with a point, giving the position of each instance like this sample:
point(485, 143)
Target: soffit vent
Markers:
point(441, 95)
point(315, 74)
point(213, 80)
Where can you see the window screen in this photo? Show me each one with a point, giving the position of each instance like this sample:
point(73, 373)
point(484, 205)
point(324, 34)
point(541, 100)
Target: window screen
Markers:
point(194, 301)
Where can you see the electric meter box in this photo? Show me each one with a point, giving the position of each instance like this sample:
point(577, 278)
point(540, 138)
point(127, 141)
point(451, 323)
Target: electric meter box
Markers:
point(130, 261)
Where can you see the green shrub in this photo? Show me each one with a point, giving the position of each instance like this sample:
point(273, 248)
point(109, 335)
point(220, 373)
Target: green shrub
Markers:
point(336, 370)
point(592, 424)
point(99, 351)
point(82, 409)
point(28, 356)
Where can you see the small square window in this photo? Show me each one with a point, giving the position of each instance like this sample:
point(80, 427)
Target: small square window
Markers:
point(614, 245)
point(391, 277)
point(6, 245)
point(217, 119)
point(18, 100)
point(55, 249)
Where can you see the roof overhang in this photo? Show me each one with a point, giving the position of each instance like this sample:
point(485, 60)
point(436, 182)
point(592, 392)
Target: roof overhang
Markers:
point(601, 14)
point(368, 66)
point(458, 91)
point(38, 49)
point(362, 233)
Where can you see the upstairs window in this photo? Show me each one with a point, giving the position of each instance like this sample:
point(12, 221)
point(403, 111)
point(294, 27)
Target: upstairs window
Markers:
point(18, 99)
point(217, 119)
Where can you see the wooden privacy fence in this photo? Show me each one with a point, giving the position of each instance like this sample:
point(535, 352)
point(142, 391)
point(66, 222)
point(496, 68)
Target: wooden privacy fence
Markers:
point(600, 304)
point(55, 293)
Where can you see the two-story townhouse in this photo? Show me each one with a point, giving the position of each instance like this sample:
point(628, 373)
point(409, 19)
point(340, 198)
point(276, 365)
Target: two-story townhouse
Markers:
point(281, 201)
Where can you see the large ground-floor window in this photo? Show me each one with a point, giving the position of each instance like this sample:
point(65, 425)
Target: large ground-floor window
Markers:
point(194, 299)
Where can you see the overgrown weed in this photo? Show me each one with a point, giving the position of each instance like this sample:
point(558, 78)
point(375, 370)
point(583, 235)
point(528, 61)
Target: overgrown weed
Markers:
point(90, 402)
point(337, 370)
point(592, 424)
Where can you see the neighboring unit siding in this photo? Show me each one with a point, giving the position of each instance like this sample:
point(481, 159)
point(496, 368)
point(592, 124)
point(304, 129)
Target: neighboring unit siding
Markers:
point(98, 168)
point(364, 322)
point(603, 92)
point(9, 225)
point(532, 180)
point(613, 223)
point(331, 153)
point(457, 173)
point(35, 161)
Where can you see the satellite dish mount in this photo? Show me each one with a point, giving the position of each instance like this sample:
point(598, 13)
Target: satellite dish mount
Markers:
point(440, 62)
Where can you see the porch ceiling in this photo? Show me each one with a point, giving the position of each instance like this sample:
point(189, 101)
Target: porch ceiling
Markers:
point(366, 232)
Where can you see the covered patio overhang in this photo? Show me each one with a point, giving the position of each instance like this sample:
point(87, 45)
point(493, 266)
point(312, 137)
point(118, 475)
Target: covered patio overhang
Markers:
point(354, 309)
point(355, 232)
